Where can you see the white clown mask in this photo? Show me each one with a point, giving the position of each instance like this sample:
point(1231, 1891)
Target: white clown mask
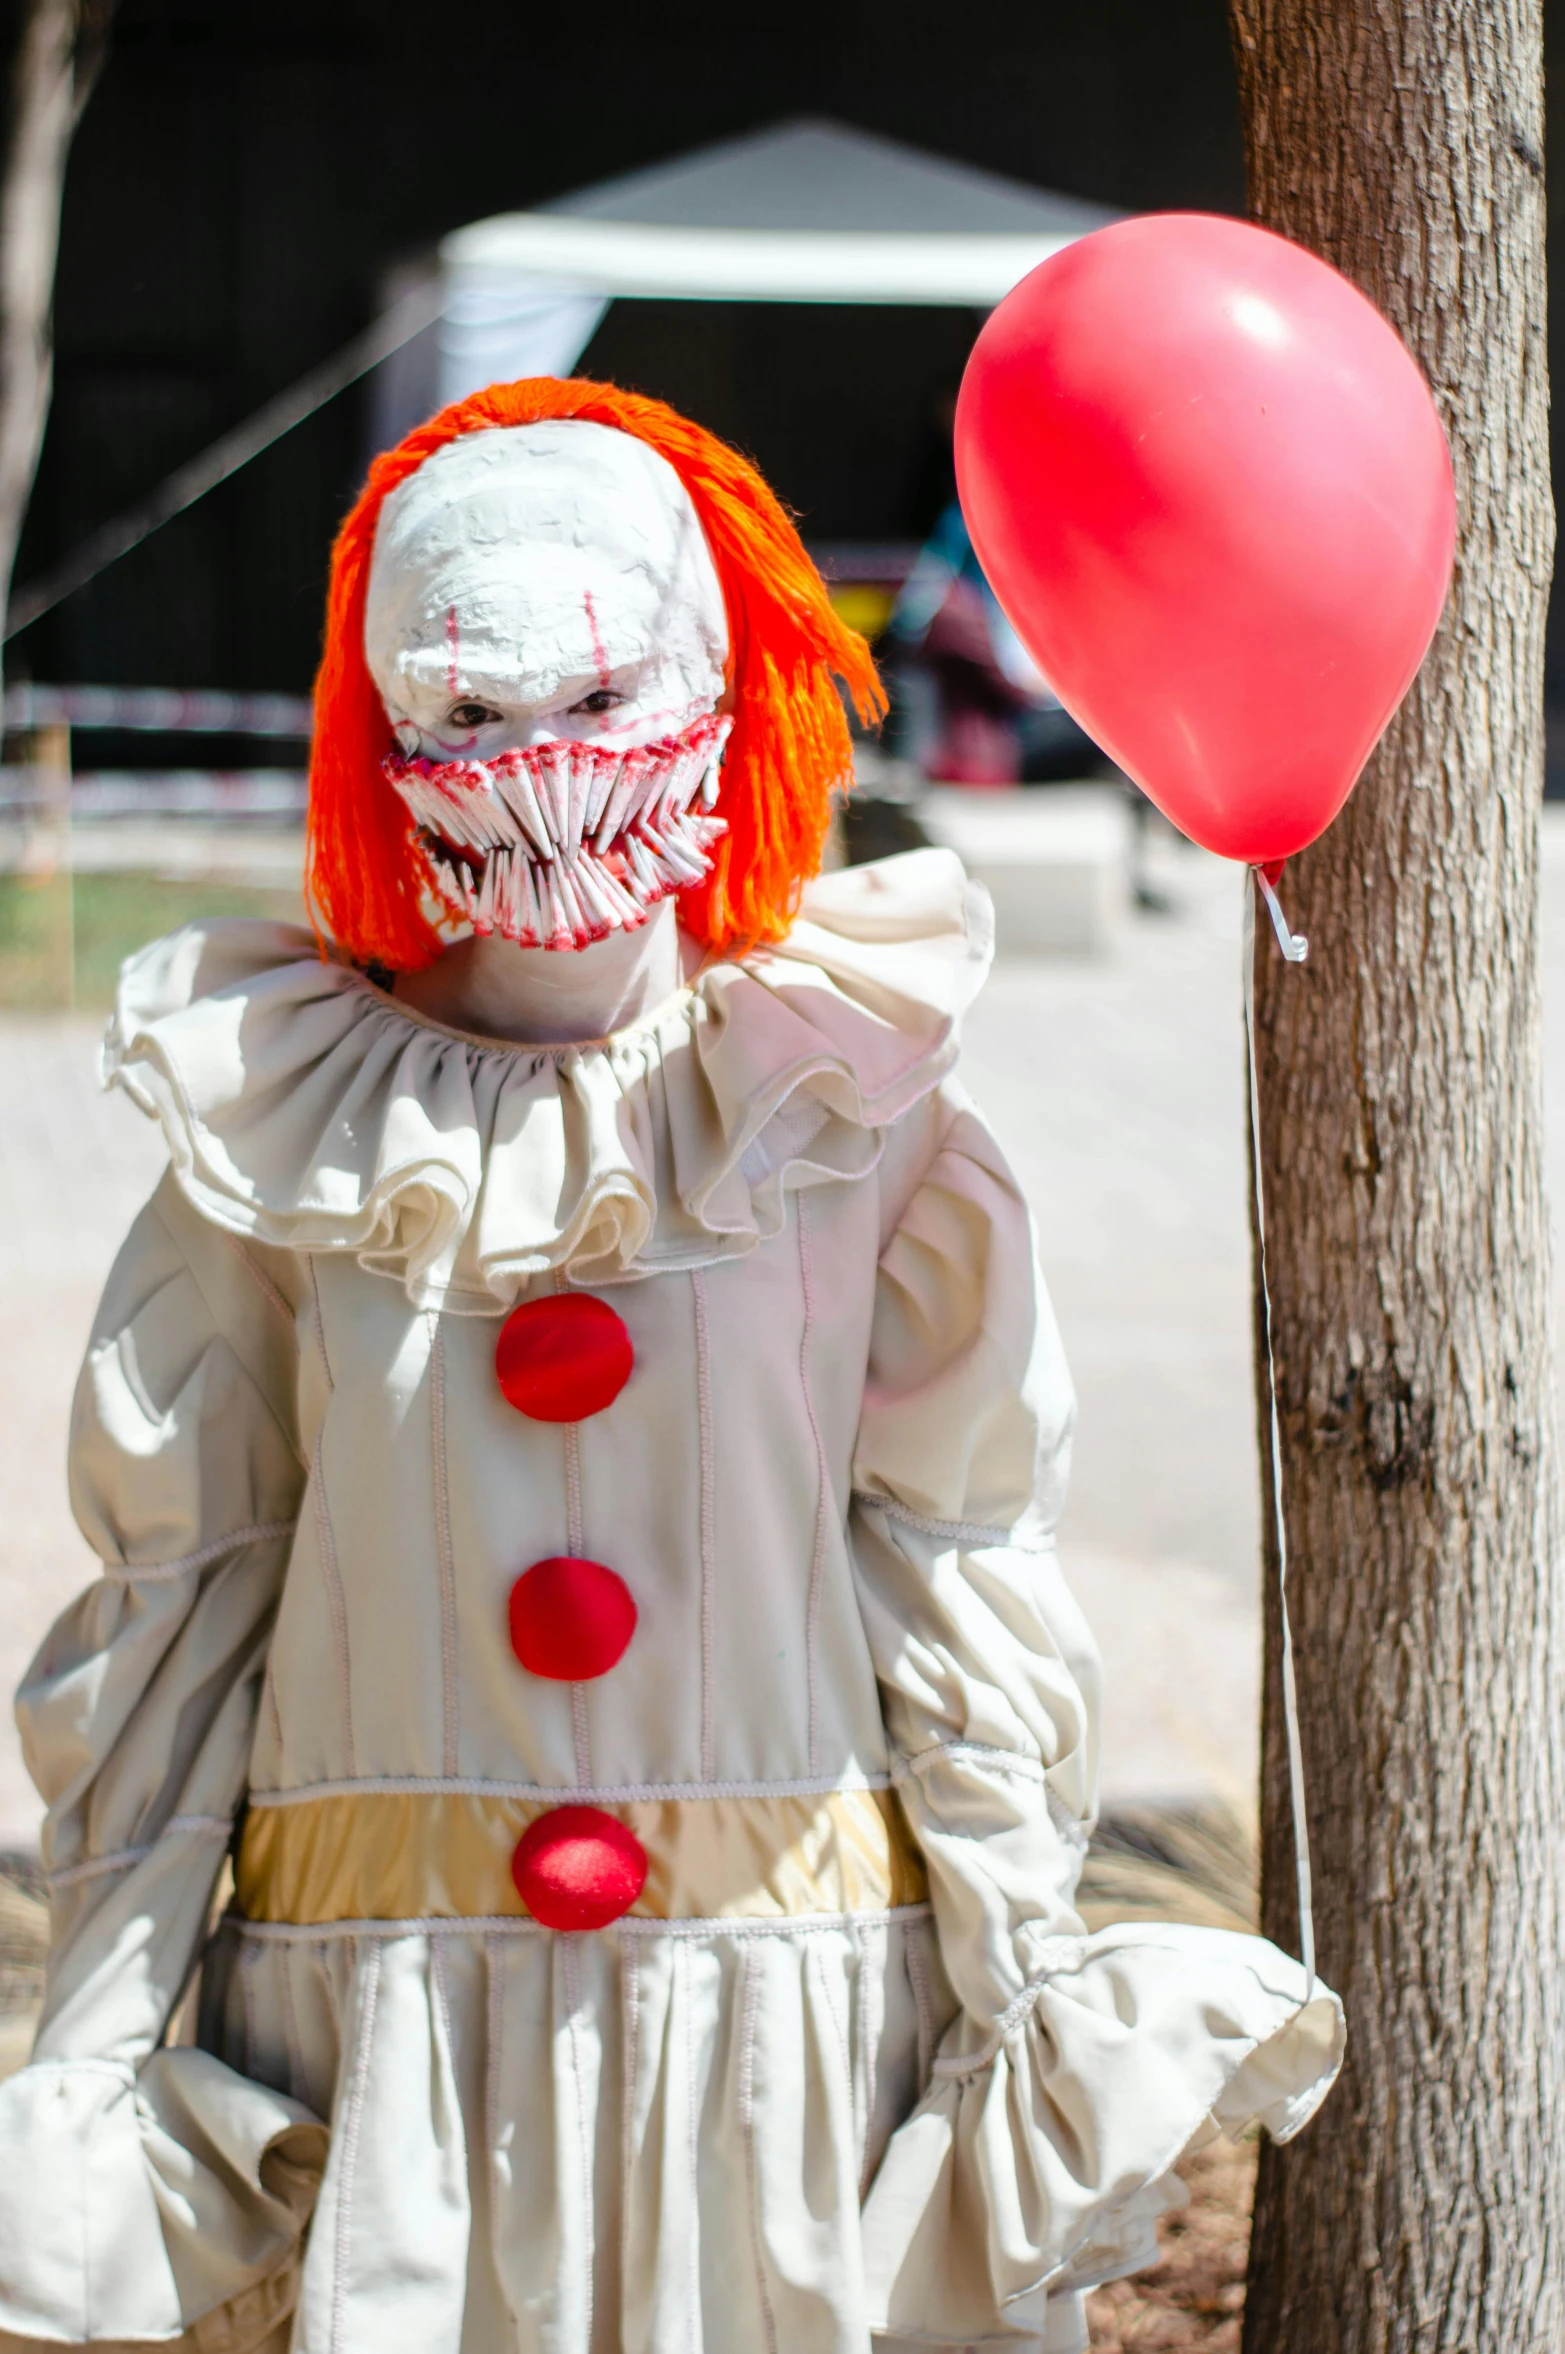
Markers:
point(545, 626)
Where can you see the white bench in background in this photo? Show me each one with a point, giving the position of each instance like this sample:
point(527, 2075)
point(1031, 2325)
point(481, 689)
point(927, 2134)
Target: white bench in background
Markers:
point(1056, 860)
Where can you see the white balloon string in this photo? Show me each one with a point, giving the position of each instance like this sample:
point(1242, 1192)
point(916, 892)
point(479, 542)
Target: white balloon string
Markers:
point(1294, 949)
point(1293, 944)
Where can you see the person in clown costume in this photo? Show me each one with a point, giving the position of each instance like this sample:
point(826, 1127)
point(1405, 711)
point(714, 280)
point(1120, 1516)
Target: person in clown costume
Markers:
point(573, 1443)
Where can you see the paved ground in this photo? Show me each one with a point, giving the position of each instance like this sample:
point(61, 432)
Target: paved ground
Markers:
point(1117, 1087)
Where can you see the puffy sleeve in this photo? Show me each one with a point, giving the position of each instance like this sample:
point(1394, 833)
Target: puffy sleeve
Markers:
point(1076, 2069)
point(141, 2186)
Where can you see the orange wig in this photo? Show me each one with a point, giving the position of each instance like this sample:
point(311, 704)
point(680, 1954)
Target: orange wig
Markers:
point(788, 749)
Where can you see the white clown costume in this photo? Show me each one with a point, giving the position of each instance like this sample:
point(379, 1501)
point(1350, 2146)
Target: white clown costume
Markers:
point(656, 1751)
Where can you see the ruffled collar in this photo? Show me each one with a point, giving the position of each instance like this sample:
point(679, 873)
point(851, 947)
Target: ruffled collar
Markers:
point(305, 1107)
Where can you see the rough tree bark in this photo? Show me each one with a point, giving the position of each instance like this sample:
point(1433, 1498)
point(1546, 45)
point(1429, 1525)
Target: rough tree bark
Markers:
point(1409, 1252)
point(59, 51)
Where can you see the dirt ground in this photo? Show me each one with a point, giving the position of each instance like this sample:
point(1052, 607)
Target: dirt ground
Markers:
point(1195, 2298)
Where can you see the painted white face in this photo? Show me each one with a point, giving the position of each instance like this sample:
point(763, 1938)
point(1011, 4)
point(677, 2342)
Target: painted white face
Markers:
point(542, 581)
point(545, 625)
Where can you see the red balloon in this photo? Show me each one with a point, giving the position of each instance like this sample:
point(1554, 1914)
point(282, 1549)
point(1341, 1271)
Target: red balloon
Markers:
point(578, 1868)
point(571, 1619)
point(1209, 487)
point(562, 1358)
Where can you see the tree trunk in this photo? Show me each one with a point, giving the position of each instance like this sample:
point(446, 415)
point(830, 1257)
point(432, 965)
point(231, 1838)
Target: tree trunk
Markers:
point(1399, 1079)
point(58, 55)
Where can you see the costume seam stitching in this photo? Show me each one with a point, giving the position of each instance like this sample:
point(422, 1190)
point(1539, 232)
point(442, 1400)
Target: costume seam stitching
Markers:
point(818, 1556)
point(320, 1320)
point(358, 2094)
point(444, 1558)
point(708, 1517)
point(918, 1979)
point(571, 1972)
point(630, 1982)
point(259, 1532)
point(289, 1438)
point(249, 1959)
point(681, 1958)
point(747, 2033)
point(497, 1925)
point(863, 2067)
point(262, 1281)
point(838, 2024)
point(336, 1600)
point(271, 1703)
point(437, 1973)
point(604, 1794)
point(1061, 1954)
point(121, 1859)
point(969, 1532)
point(495, 2023)
point(581, 1730)
point(997, 1761)
point(298, 2081)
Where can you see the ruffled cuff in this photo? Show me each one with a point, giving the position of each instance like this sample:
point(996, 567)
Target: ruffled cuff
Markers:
point(1040, 2158)
point(134, 2203)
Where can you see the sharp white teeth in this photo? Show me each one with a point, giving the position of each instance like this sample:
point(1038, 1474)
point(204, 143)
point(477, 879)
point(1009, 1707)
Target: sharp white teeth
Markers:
point(413, 793)
point(641, 861)
point(652, 780)
point(444, 811)
point(581, 759)
point(544, 819)
point(587, 876)
point(619, 802)
point(486, 821)
point(500, 818)
point(507, 892)
point(605, 776)
point(483, 921)
point(551, 769)
point(415, 797)
point(532, 917)
point(556, 931)
point(478, 813)
point(679, 856)
point(436, 809)
point(680, 786)
point(580, 921)
point(626, 911)
point(516, 788)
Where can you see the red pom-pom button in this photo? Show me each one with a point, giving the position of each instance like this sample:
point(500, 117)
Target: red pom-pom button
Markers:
point(563, 1358)
point(570, 1619)
point(578, 1868)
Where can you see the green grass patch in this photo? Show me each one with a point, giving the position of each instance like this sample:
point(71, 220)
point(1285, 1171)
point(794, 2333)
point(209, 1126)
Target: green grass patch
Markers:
point(63, 940)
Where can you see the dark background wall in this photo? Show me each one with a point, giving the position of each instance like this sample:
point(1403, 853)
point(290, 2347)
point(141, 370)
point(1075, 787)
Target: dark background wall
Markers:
point(246, 171)
point(249, 168)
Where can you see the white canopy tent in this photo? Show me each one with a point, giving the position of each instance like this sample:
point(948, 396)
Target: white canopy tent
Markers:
point(806, 212)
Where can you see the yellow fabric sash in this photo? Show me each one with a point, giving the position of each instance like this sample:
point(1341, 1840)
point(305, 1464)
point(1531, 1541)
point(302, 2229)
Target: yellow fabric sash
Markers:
point(446, 1855)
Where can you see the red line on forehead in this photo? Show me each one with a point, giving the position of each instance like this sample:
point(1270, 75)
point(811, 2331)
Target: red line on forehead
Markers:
point(599, 650)
point(454, 644)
